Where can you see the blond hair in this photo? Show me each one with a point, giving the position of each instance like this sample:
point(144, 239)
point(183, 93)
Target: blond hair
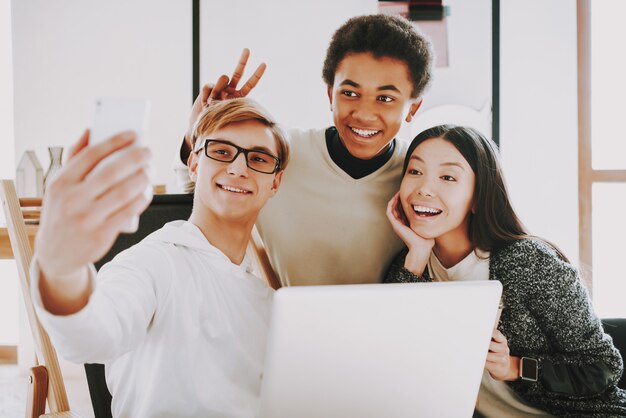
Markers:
point(227, 112)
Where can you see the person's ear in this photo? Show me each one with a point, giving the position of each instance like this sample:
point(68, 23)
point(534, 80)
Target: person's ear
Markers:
point(192, 165)
point(276, 182)
point(413, 109)
point(330, 96)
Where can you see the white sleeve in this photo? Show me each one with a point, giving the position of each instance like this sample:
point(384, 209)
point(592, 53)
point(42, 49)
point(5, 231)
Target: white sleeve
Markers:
point(115, 319)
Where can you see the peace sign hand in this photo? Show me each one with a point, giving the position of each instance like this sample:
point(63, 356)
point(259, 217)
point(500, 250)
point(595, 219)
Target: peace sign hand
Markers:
point(224, 89)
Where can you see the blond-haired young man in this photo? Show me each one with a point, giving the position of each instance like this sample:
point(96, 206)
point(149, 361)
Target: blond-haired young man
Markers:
point(179, 320)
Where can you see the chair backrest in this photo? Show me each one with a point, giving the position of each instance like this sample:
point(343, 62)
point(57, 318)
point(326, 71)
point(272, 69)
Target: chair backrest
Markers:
point(163, 209)
point(23, 253)
point(616, 328)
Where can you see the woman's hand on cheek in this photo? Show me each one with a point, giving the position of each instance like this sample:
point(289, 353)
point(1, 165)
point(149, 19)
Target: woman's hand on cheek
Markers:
point(419, 247)
point(500, 364)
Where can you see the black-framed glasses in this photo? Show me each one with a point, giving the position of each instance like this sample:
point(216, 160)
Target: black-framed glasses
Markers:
point(228, 152)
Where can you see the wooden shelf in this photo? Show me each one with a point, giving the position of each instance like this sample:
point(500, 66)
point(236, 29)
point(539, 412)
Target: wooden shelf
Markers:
point(5, 245)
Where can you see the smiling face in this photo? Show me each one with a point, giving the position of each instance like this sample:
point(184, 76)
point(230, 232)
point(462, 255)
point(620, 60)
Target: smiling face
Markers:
point(370, 98)
point(233, 191)
point(437, 192)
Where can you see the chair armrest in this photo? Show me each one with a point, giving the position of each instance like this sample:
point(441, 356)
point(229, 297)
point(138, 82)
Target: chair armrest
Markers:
point(37, 392)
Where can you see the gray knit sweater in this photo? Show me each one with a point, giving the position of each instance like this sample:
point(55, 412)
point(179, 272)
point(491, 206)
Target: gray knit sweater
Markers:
point(548, 316)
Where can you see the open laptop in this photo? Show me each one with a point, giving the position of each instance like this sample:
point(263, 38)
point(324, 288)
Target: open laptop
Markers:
point(378, 350)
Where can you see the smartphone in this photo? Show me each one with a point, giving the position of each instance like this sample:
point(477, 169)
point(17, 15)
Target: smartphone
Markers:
point(112, 116)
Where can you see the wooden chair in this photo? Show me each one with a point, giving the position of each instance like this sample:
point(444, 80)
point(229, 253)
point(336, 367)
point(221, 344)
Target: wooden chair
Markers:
point(45, 380)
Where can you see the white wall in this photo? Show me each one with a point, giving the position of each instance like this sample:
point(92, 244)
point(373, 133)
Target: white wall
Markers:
point(68, 52)
point(539, 128)
point(8, 273)
point(461, 93)
point(291, 37)
point(467, 79)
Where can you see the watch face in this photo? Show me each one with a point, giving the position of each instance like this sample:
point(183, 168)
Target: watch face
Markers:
point(529, 369)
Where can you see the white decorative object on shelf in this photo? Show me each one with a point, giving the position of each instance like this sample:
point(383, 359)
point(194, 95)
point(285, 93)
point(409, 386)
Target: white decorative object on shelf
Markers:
point(29, 176)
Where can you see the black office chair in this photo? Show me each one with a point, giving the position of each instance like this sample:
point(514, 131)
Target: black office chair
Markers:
point(616, 328)
point(163, 209)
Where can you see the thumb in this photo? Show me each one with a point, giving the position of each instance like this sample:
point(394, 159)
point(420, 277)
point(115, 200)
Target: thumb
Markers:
point(206, 92)
point(220, 85)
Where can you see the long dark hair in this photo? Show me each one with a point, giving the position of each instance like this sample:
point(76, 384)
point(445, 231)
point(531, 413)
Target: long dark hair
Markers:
point(494, 223)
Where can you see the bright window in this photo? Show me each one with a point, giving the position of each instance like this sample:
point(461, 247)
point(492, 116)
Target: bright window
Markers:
point(608, 157)
point(609, 273)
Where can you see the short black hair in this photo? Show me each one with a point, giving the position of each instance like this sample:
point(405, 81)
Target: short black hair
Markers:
point(382, 36)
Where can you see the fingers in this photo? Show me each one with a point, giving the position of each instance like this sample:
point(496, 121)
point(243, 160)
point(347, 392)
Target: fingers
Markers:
point(77, 168)
point(121, 194)
point(241, 66)
point(205, 92)
point(120, 219)
point(394, 210)
point(111, 172)
point(496, 347)
point(79, 145)
point(498, 336)
point(498, 344)
point(220, 84)
point(253, 80)
point(494, 358)
point(201, 99)
point(391, 206)
point(400, 212)
point(391, 209)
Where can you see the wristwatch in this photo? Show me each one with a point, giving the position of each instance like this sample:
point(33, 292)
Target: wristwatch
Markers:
point(529, 369)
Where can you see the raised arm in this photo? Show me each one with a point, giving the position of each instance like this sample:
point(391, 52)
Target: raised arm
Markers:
point(84, 211)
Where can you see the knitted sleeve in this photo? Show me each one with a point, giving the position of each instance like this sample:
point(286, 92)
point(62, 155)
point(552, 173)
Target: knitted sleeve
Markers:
point(396, 273)
point(584, 361)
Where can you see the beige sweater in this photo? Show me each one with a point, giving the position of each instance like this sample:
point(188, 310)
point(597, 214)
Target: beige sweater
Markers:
point(323, 226)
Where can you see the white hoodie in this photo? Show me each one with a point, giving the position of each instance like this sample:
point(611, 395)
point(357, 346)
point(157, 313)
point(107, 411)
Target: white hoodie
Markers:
point(180, 328)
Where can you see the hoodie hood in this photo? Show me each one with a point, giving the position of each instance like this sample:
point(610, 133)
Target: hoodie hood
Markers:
point(185, 234)
point(181, 233)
